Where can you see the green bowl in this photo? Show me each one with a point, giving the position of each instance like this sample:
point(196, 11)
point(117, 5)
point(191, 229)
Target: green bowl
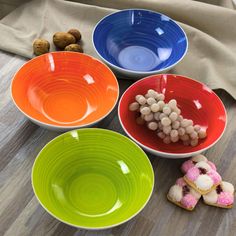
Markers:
point(92, 178)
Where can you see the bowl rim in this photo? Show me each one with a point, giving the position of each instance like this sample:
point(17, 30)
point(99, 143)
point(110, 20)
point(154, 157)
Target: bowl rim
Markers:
point(138, 73)
point(171, 154)
point(65, 127)
point(91, 130)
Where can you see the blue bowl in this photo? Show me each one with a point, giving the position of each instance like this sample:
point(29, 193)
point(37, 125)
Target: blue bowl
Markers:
point(138, 42)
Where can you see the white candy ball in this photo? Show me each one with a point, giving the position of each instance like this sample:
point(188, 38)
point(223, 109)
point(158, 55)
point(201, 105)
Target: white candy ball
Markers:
point(180, 118)
point(173, 116)
point(202, 134)
point(145, 110)
point(134, 106)
point(151, 94)
point(161, 97)
point(157, 116)
point(175, 124)
point(161, 135)
point(156, 95)
point(151, 91)
point(193, 135)
point(155, 107)
point(148, 117)
point(181, 131)
point(167, 140)
point(151, 101)
point(178, 111)
point(190, 122)
point(194, 142)
point(147, 95)
point(141, 99)
point(173, 133)
point(161, 104)
point(165, 121)
point(172, 103)
point(174, 139)
point(142, 106)
point(189, 129)
point(140, 120)
point(184, 137)
point(162, 115)
point(166, 110)
point(197, 128)
point(152, 125)
point(184, 123)
point(160, 126)
point(137, 97)
point(167, 129)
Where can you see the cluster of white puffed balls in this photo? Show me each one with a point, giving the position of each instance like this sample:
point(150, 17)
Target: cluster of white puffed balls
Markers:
point(165, 119)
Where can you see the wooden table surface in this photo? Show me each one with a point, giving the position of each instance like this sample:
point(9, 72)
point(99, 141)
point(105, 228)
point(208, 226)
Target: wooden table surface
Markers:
point(21, 214)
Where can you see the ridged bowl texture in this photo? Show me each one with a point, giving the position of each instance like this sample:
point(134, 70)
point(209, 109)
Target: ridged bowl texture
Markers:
point(196, 101)
point(65, 89)
point(92, 178)
point(139, 42)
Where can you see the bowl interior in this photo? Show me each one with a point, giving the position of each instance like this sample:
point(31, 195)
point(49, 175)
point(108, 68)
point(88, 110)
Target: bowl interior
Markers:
point(139, 40)
point(92, 178)
point(196, 101)
point(65, 89)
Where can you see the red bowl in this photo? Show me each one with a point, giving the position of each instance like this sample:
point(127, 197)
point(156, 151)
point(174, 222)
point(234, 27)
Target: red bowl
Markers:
point(196, 101)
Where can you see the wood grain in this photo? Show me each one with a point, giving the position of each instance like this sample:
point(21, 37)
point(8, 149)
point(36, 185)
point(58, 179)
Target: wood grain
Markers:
point(21, 214)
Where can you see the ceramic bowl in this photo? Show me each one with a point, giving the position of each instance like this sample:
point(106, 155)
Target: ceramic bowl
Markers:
point(137, 43)
point(196, 101)
point(65, 90)
point(92, 178)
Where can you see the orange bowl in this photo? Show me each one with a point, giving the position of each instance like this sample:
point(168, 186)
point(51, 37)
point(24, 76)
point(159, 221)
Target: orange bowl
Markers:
point(65, 90)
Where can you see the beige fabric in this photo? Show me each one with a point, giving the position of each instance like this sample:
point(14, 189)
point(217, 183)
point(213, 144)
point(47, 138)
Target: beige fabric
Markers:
point(211, 31)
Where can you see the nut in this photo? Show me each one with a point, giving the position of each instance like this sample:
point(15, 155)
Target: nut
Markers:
point(75, 33)
point(74, 48)
point(40, 46)
point(61, 39)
